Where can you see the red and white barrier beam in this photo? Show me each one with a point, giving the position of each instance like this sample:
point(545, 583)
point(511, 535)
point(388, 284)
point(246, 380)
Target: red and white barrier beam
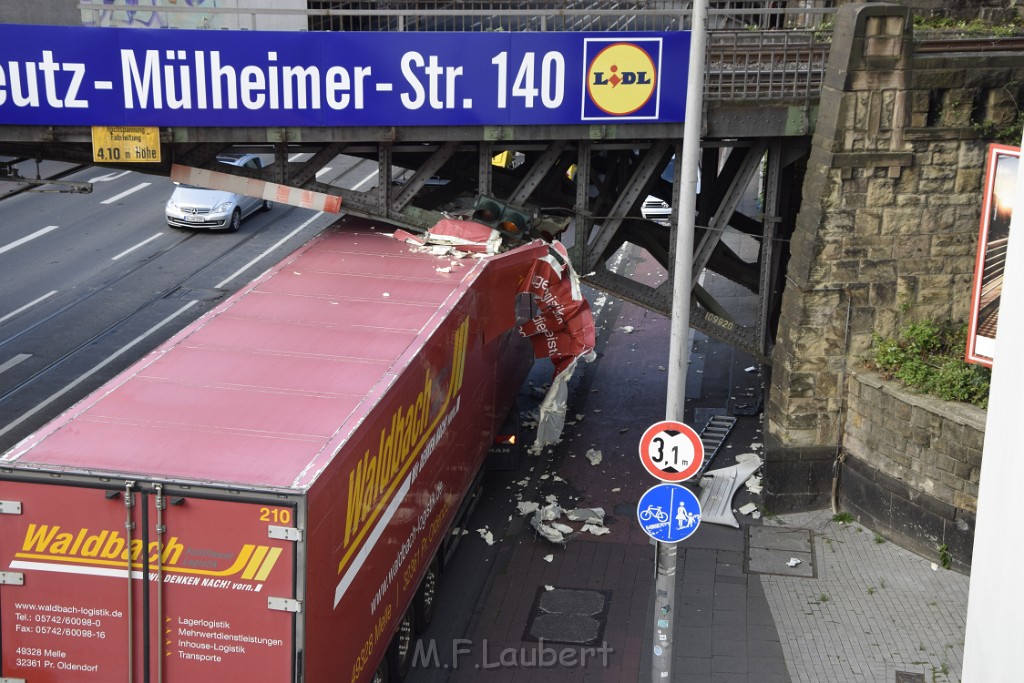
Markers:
point(251, 187)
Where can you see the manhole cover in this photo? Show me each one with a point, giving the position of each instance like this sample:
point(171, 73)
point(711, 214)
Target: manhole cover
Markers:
point(780, 550)
point(565, 628)
point(562, 601)
point(568, 615)
point(907, 677)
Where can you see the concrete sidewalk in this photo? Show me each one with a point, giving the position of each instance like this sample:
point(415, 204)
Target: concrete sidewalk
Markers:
point(872, 611)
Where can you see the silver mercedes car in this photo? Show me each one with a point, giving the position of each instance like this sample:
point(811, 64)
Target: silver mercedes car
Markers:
point(198, 207)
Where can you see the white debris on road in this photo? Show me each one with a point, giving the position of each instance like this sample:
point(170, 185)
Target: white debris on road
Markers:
point(549, 533)
point(594, 457)
point(486, 535)
point(747, 509)
point(586, 515)
point(549, 512)
point(526, 507)
point(793, 561)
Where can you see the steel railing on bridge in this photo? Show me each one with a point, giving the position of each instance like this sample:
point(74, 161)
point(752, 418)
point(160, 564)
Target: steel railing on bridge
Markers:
point(456, 15)
point(761, 50)
point(756, 66)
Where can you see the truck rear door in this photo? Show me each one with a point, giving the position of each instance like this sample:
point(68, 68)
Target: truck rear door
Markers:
point(133, 584)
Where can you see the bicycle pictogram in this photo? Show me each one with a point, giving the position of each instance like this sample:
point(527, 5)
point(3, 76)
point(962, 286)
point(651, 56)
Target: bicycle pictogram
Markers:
point(653, 512)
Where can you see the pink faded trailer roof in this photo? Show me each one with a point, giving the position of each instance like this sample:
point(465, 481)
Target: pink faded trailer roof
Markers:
point(254, 392)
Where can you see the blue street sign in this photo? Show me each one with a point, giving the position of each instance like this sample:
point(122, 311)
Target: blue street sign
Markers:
point(669, 513)
point(80, 76)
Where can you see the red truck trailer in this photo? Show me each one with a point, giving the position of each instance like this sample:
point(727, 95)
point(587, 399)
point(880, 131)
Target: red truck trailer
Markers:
point(261, 497)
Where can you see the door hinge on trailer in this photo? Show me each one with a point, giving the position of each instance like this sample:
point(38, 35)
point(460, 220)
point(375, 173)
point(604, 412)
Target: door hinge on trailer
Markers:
point(284, 533)
point(12, 579)
point(284, 604)
point(10, 507)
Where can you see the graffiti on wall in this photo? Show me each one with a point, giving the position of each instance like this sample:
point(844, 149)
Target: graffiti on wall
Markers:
point(151, 14)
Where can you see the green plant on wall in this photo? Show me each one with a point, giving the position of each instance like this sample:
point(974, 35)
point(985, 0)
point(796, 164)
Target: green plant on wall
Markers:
point(952, 27)
point(1007, 133)
point(945, 559)
point(928, 357)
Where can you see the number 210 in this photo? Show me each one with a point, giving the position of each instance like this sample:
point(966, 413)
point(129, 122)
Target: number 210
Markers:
point(276, 515)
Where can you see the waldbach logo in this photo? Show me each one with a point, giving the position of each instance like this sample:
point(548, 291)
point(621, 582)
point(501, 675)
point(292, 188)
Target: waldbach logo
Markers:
point(107, 552)
point(621, 79)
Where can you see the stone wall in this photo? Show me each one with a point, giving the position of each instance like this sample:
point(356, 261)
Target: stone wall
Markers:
point(911, 465)
point(887, 229)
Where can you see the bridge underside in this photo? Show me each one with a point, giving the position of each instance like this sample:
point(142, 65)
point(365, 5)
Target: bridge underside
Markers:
point(585, 185)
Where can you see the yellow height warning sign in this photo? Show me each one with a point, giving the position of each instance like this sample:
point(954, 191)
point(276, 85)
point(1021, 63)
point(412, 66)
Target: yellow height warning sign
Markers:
point(125, 144)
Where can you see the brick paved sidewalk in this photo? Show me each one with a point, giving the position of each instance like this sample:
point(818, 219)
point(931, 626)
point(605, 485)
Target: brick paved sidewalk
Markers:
point(873, 612)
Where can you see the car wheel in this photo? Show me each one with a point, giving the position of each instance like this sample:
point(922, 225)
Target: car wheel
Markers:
point(236, 221)
point(400, 650)
point(267, 205)
point(426, 597)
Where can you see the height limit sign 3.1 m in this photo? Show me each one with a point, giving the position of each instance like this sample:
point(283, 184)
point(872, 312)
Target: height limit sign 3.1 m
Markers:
point(671, 451)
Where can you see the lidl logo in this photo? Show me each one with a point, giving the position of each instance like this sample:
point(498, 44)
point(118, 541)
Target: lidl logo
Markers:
point(621, 79)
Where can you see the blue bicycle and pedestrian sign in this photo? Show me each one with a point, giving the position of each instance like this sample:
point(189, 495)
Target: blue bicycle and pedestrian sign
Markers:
point(669, 513)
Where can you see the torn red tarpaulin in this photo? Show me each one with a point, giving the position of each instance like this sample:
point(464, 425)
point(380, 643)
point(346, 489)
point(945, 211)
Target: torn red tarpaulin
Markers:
point(563, 329)
point(460, 234)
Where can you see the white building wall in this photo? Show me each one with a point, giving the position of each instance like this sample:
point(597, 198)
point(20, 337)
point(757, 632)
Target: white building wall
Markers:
point(995, 610)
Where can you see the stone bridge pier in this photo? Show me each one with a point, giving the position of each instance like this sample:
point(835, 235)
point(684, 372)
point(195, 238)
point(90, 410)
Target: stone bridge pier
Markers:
point(886, 234)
